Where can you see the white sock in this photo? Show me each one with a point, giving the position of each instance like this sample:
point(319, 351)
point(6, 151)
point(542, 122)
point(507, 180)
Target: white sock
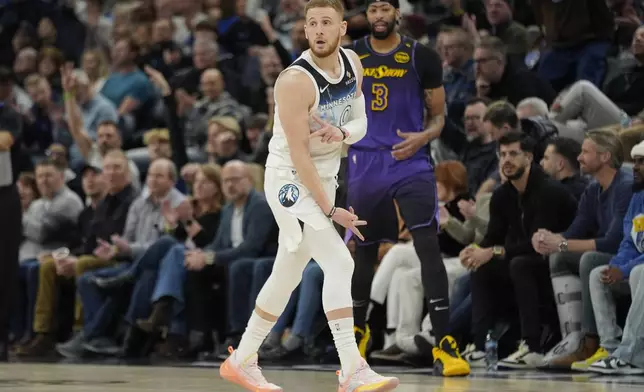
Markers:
point(345, 343)
point(256, 331)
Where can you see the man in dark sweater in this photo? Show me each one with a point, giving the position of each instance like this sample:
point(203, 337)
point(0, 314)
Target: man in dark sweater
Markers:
point(507, 272)
point(591, 241)
point(508, 81)
point(560, 162)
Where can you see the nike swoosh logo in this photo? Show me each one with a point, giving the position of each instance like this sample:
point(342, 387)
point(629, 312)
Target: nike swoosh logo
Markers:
point(441, 307)
point(364, 56)
point(433, 301)
point(324, 89)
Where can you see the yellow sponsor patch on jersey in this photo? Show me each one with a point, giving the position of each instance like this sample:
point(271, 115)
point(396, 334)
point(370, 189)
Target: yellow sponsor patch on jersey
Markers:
point(384, 72)
point(401, 57)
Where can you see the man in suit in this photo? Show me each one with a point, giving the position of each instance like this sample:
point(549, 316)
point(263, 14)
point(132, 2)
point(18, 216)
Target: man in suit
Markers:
point(245, 246)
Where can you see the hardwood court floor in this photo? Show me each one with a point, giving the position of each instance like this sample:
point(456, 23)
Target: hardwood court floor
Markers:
point(105, 378)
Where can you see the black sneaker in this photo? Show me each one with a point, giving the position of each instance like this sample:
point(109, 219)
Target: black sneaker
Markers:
point(391, 353)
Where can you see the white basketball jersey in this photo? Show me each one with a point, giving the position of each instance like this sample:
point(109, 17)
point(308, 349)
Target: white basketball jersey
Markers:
point(332, 104)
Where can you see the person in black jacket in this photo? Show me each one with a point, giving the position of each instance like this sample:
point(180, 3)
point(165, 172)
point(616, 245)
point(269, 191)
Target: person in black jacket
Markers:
point(505, 260)
point(560, 162)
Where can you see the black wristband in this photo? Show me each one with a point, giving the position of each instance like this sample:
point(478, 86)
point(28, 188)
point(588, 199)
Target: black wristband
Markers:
point(330, 214)
point(344, 134)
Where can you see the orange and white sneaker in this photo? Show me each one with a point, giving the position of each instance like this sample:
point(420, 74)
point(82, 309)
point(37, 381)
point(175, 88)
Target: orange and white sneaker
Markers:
point(246, 373)
point(363, 379)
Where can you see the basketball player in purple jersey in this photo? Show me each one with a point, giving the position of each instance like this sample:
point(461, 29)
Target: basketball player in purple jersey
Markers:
point(405, 103)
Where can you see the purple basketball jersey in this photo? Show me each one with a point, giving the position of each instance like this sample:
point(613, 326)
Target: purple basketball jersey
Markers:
point(393, 94)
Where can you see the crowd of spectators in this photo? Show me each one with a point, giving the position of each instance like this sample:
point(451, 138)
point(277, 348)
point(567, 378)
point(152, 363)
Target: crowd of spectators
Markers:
point(144, 129)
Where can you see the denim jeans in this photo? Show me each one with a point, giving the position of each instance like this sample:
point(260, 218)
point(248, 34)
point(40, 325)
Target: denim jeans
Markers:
point(166, 281)
point(246, 277)
point(151, 259)
point(564, 66)
point(460, 318)
point(604, 305)
point(99, 308)
point(631, 348)
point(25, 303)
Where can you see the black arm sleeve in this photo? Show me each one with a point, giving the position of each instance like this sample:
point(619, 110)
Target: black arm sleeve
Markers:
point(428, 66)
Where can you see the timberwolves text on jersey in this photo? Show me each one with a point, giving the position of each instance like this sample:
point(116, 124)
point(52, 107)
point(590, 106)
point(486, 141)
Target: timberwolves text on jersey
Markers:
point(334, 96)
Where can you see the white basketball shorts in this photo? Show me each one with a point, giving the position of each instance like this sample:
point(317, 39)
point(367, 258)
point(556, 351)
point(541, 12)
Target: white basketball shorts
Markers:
point(291, 203)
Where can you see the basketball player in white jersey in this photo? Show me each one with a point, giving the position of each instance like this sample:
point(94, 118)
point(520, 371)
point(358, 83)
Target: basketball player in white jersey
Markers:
point(319, 108)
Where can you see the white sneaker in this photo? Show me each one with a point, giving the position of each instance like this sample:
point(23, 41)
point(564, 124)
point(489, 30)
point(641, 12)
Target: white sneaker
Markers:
point(407, 345)
point(246, 373)
point(475, 358)
point(523, 358)
point(365, 379)
point(612, 365)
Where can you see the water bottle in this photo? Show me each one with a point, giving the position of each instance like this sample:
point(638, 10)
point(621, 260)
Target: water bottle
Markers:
point(625, 120)
point(491, 353)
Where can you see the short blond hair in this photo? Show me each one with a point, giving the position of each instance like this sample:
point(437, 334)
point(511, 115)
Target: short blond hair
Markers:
point(117, 153)
point(608, 141)
point(335, 4)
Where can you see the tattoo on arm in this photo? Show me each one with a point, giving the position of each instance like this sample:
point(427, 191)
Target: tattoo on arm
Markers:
point(428, 98)
point(432, 118)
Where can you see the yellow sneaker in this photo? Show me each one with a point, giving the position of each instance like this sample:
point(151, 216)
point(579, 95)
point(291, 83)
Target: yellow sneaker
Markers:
point(363, 338)
point(584, 365)
point(447, 359)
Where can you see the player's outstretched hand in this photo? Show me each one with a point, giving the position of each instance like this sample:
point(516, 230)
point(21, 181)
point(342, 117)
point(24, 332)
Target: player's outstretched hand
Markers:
point(349, 220)
point(327, 132)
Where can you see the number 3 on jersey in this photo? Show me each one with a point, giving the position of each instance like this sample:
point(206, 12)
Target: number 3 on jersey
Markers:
point(380, 97)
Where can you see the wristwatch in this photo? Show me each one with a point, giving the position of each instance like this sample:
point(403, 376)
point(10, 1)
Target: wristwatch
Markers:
point(498, 251)
point(563, 246)
point(210, 258)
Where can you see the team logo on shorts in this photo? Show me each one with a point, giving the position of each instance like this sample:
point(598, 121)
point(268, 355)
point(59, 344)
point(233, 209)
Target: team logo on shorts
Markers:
point(288, 195)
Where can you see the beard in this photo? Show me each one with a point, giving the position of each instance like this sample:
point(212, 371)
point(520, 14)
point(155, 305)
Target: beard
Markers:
point(391, 25)
point(517, 174)
point(638, 181)
point(327, 51)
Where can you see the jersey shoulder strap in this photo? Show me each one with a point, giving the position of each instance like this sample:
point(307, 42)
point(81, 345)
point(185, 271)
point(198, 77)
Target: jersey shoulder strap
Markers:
point(360, 46)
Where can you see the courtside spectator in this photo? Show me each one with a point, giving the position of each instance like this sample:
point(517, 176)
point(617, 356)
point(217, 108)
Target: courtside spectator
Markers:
point(561, 163)
point(591, 240)
point(505, 259)
point(609, 283)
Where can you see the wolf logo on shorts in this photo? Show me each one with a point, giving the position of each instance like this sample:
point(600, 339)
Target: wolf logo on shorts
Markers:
point(288, 195)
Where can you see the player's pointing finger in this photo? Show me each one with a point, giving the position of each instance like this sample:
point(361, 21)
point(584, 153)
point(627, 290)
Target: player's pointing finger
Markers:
point(357, 232)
